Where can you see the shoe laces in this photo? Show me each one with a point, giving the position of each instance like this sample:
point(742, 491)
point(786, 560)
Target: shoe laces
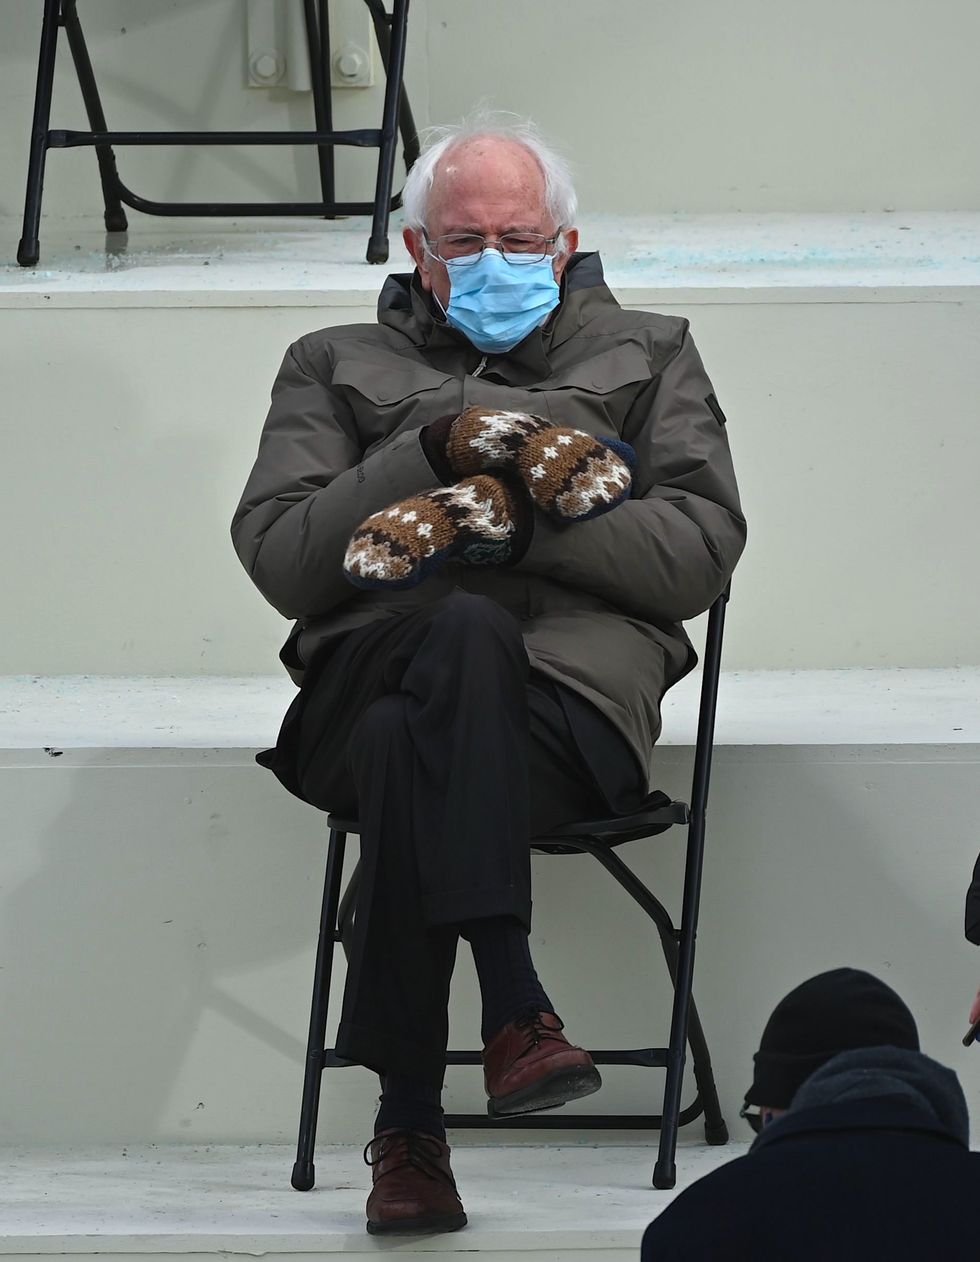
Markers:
point(421, 1152)
point(531, 1025)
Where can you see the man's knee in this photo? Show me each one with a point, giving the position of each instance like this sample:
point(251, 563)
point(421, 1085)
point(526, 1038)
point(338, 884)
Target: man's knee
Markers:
point(382, 725)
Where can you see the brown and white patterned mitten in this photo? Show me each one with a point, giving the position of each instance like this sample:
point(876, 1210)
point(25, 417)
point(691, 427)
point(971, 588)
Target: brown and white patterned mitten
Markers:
point(480, 521)
point(570, 475)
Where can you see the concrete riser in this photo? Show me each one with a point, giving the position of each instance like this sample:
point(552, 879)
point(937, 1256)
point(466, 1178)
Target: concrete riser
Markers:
point(855, 453)
point(160, 913)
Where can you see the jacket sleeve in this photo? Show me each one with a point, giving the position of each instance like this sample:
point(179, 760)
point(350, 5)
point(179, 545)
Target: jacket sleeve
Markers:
point(972, 925)
point(668, 551)
point(310, 489)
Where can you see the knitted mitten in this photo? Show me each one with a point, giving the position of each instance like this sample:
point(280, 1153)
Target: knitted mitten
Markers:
point(480, 520)
point(571, 475)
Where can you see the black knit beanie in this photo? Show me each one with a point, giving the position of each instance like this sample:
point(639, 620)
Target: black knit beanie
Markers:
point(831, 1013)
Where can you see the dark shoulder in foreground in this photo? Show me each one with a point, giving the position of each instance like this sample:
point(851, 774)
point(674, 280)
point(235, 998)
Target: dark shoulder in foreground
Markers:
point(834, 1197)
point(699, 1220)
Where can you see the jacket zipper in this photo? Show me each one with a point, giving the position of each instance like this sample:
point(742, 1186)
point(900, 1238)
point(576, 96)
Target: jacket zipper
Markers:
point(480, 367)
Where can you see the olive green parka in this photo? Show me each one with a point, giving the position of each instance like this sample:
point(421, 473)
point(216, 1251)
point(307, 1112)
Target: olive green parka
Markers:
point(600, 602)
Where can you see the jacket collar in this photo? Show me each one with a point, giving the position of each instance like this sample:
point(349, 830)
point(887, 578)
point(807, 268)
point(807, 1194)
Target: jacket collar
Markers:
point(405, 306)
point(878, 1113)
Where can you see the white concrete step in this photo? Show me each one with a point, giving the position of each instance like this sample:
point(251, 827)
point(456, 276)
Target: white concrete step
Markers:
point(662, 258)
point(523, 1202)
point(790, 708)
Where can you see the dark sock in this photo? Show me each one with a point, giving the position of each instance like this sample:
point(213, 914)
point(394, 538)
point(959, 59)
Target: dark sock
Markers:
point(508, 983)
point(413, 1105)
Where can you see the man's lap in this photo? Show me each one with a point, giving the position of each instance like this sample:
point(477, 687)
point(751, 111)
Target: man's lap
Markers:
point(571, 743)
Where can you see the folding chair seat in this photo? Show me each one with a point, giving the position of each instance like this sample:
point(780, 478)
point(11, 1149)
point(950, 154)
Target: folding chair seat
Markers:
point(391, 32)
point(597, 837)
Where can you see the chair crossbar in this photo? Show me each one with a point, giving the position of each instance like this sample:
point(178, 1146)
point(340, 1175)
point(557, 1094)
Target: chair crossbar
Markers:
point(648, 1057)
point(265, 209)
point(575, 1122)
point(369, 138)
point(645, 1057)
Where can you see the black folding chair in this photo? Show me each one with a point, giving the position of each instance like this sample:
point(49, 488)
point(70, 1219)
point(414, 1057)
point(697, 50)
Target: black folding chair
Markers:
point(596, 837)
point(391, 31)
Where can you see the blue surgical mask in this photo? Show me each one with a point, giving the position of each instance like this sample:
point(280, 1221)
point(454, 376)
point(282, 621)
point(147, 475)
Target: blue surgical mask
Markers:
point(496, 304)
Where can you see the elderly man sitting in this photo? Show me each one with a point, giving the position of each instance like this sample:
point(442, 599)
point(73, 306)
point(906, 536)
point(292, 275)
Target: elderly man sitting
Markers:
point(489, 514)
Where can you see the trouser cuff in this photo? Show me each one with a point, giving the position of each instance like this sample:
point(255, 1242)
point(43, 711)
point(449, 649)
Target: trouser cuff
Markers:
point(377, 1049)
point(455, 907)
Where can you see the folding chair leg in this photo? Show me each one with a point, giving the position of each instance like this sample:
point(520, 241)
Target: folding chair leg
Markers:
point(304, 1172)
point(29, 249)
point(115, 216)
point(377, 251)
point(715, 1126)
point(664, 1172)
point(318, 40)
point(411, 147)
point(715, 1130)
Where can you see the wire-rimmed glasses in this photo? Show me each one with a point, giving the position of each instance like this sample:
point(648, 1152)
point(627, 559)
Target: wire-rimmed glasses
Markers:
point(754, 1119)
point(461, 248)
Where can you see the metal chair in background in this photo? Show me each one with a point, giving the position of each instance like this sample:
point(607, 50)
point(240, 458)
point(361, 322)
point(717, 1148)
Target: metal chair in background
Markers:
point(597, 838)
point(391, 32)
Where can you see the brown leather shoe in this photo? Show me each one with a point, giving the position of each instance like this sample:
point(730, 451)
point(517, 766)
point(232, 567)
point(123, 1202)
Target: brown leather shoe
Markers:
point(530, 1065)
point(414, 1189)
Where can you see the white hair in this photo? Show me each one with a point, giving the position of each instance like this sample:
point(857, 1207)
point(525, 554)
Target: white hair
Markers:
point(559, 192)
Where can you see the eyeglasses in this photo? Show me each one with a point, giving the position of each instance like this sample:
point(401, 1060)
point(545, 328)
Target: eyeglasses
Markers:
point(468, 247)
point(754, 1119)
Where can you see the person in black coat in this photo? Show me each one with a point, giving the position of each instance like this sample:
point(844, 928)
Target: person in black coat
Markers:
point(870, 1161)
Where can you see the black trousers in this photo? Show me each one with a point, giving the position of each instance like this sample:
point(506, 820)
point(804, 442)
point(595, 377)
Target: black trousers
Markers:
point(431, 729)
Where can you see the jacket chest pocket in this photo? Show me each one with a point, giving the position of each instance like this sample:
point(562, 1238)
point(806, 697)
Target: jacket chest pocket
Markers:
point(596, 394)
point(387, 401)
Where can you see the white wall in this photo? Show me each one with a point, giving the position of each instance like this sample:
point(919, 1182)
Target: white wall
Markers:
point(160, 912)
point(132, 432)
point(707, 105)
